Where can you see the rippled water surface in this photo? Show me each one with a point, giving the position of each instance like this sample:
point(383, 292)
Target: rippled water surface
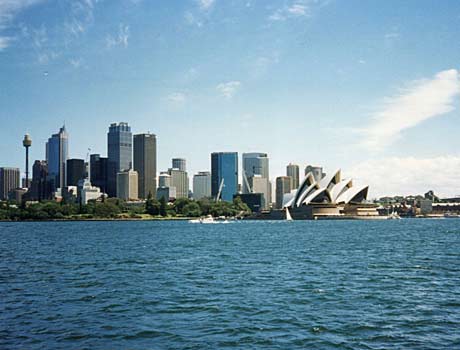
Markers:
point(258, 285)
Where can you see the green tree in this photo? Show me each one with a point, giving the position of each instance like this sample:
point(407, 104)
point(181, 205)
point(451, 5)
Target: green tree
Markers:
point(152, 206)
point(163, 206)
point(180, 204)
point(192, 209)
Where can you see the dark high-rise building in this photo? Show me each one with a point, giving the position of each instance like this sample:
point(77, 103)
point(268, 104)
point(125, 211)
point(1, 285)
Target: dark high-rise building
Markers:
point(179, 163)
point(292, 170)
point(145, 163)
point(98, 171)
point(283, 186)
point(76, 171)
point(57, 153)
point(224, 172)
point(119, 151)
point(9, 180)
point(41, 187)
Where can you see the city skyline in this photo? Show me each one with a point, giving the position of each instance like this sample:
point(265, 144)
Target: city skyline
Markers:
point(375, 94)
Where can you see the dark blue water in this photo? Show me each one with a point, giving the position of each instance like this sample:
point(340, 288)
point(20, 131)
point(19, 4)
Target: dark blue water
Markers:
point(252, 285)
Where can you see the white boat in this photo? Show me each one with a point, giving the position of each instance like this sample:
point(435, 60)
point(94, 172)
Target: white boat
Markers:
point(394, 216)
point(288, 215)
point(450, 215)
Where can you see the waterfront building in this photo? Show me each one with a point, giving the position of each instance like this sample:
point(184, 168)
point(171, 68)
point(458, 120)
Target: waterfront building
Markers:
point(145, 163)
point(261, 185)
point(179, 163)
point(202, 185)
point(41, 187)
point(18, 194)
point(166, 192)
point(127, 185)
point(292, 170)
point(88, 192)
point(164, 180)
point(283, 186)
point(119, 151)
point(9, 180)
point(255, 201)
point(224, 174)
point(76, 171)
point(316, 171)
point(179, 180)
point(57, 153)
point(98, 171)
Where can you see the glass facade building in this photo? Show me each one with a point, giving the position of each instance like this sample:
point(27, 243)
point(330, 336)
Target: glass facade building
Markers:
point(119, 151)
point(98, 171)
point(57, 153)
point(224, 167)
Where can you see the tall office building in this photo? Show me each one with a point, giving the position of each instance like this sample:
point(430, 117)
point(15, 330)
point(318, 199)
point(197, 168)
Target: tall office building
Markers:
point(145, 163)
point(257, 165)
point(317, 172)
point(127, 185)
point(41, 187)
point(57, 153)
point(224, 171)
point(179, 180)
point(9, 180)
point(292, 170)
point(98, 171)
point(261, 185)
point(202, 185)
point(179, 163)
point(119, 151)
point(76, 171)
point(283, 186)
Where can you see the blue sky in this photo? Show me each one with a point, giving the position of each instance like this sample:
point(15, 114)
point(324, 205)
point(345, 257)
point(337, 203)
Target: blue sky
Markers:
point(369, 87)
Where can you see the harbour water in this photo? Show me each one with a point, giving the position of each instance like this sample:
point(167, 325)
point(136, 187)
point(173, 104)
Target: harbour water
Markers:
point(246, 285)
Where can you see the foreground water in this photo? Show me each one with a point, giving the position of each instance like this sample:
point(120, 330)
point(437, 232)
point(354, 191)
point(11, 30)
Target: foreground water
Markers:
point(259, 285)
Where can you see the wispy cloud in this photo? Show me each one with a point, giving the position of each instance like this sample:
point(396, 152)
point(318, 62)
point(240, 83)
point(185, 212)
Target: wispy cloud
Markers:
point(419, 101)
point(229, 89)
point(298, 8)
point(76, 62)
point(8, 10)
point(205, 4)
point(410, 175)
point(177, 98)
point(120, 39)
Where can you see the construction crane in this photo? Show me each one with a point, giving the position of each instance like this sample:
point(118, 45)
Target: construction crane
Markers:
point(221, 186)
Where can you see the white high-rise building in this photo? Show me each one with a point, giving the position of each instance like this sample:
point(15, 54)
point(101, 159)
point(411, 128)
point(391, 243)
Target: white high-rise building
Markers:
point(256, 165)
point(202, 185)
point(127, 185)
point(179, 180)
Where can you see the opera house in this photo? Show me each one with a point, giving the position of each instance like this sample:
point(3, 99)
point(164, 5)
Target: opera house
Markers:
point(329, 197)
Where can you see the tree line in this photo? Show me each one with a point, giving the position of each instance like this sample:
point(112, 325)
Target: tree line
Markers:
point(114, 208)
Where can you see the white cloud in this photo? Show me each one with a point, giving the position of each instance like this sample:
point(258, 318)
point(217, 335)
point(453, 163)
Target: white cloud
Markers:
point(76, 62)
point(205, 4)
point(228, 90)
point(191, 19)
point(177, 98)
point(8, 10)
point(298, 8)
point(121, 39)
point(420, 101)
point(410, 175)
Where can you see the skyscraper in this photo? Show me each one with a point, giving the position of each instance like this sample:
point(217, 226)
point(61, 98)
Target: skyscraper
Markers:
point(292, 170)
point(127, 185)
point(283, 186)
point(57, 153)
point(257, 165)
point(179, 163)
point(145, 163)
point(9, 180)
point(202, 185)
point(316, 171)
point(119, 151)
point(98, 171)
point(41, 187)
point(179, 180)
point(76, 171)
point(224, 170)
